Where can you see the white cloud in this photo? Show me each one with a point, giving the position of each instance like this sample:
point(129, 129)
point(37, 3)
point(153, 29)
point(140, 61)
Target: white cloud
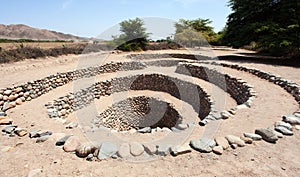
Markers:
point(66, 4)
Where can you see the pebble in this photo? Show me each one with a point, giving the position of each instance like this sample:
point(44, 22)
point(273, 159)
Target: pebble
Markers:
point(176, 130)
point(291, 119)
point(235, 140)
point(2, 113)
point(45, 133)
point(233, 146)
point(203, 144)
point(278, 134)
point(253, 136)
point(85, 149)
point(221, 141)
point(284, 130)
point(72, 125)
point(132, 131)
point(90, 157)
point(232, 111)
point(225, 114)
point(9, 129)
point(62, 141)
point(284, 124)
point(107, 150)
point(19, 101)
point(163, 149)
point(6, 106)
point(35, 173)
point(7, 92)
point(21, 132)
point(267, 134)
point(42, 139)
point(297, 127)
point(179, 150)
point(6, 121)
point(145, 130)
point(247, 140)
point(136, 149)
point(150, 149)
point(71, 144)
point(124, 150)
point(218, 150)
point(165, 129)
point(182, 126)
point(34, 134)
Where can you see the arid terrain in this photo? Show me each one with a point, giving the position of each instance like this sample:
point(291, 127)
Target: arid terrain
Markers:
point(22, 156)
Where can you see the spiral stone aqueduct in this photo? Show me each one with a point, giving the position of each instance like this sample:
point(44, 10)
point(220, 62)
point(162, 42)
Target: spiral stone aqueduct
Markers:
point(152, 105)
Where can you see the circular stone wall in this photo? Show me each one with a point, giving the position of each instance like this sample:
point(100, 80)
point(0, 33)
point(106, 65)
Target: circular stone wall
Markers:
point(139, 112)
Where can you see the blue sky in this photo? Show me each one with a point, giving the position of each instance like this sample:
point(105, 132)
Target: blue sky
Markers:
point(90, 18)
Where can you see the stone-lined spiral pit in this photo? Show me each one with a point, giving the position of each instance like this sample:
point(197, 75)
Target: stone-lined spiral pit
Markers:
point(138, 112)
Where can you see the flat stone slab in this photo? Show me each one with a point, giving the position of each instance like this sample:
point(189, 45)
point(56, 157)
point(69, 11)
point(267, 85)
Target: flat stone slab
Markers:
point(203, 145)
point(267, 134)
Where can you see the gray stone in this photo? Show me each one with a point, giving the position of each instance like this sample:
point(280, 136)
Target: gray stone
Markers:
point(284, 124)
point(221, 141)
point(232, 111)
point(278, 134)
point(203, 144)
point(291, 119)
point(9, 129)
point(90, 157)
point(72, 125)
point(145, 130)
point(6, 106)
point(218, 150)
point(225, 115)
point(182, 126)
point(163, 149)
point(150, 149)
point(235, 140)
point(253, 136)
point(42, 139)
point(2, 113)
point(62, 141)
point(174, 129)
point(107, 150)
point(46, 133)
point(34, 134)
point(267, 134)
point(284, 130)
point(124, 150)
point(179, 150)
point(136, 149)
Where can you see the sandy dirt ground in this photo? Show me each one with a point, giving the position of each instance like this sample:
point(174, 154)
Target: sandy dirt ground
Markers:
point(24, 157)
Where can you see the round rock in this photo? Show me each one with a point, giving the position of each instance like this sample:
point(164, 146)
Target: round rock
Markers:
point(136, 149)
point(124, 150)
point(71, 144)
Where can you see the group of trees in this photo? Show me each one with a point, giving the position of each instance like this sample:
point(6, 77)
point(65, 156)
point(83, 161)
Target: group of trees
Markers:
point(266, 25)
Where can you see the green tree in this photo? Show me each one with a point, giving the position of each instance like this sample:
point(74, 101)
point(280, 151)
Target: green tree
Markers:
point(194, 32)
point(273, 25)
point(133, 37)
